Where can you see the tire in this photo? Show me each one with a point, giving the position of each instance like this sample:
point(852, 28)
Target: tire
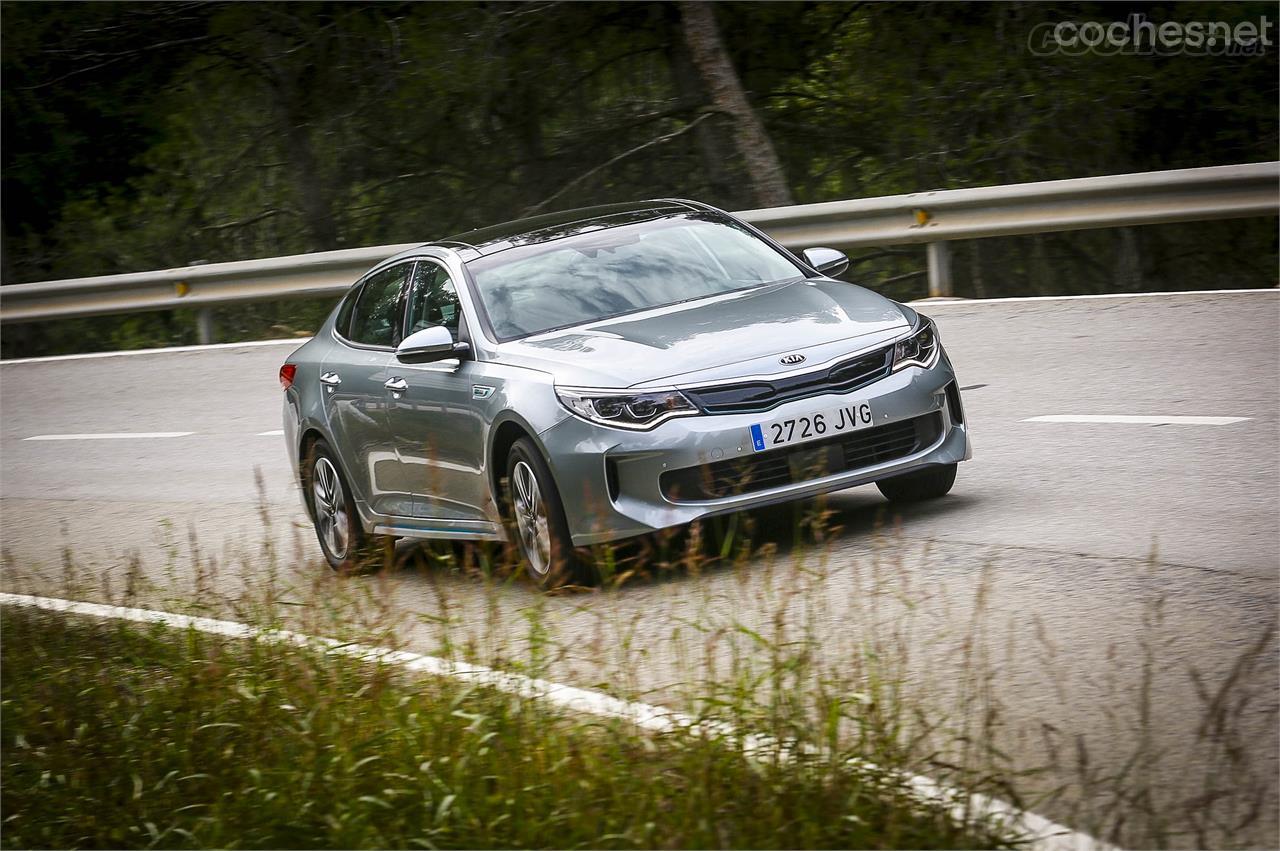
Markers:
point(929, 483)
point(333, 512)
point(540, 528)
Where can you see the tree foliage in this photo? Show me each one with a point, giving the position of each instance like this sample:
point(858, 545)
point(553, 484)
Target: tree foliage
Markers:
point(142, 136)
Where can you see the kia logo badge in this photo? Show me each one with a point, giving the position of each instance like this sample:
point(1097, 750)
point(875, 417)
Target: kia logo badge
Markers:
point(791, 360)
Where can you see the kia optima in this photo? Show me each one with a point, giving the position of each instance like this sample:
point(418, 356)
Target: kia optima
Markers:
point(583, 377)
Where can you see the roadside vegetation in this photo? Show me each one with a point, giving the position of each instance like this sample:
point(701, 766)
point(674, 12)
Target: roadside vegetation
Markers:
point(116, 735)
point(121, 735)
point(157, 135)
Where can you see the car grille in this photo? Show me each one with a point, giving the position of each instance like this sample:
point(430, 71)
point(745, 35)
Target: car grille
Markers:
point(802, 462)
point(749, 397)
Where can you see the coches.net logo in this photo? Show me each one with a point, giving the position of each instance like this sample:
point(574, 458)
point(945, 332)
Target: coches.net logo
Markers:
point(1138, 36)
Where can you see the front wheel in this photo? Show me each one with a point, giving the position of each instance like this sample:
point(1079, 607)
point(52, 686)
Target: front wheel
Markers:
point(541, 529)
point(929, 483)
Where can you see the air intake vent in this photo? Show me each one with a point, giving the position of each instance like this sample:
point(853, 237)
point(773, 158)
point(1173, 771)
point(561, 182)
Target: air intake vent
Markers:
point(815, 459)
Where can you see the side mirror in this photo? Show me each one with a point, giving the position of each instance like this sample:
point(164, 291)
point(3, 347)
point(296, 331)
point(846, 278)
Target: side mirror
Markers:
point(432, 343)
point(828, 261)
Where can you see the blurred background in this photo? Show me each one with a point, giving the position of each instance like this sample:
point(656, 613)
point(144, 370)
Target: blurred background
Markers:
point(145, 136)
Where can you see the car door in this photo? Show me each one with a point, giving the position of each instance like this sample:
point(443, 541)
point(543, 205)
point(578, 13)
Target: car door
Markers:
point(438, 429)
point(354, 375)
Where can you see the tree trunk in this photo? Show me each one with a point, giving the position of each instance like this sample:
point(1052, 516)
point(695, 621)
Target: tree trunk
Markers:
point(316, 200)
point(702, 35)
point(709, 136)
point(296, 95)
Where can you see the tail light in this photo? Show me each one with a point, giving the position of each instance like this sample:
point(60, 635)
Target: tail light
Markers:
point(286, 375)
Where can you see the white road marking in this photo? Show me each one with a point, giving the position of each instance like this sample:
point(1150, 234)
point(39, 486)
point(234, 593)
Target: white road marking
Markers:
point(1040, 833)
point(277, 433)
point(297, 341)
point(120, 435)
point(946, 301)
point(1127, 420)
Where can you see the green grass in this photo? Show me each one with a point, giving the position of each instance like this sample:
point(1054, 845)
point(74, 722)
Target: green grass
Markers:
point(116, 735)
point(918, 683)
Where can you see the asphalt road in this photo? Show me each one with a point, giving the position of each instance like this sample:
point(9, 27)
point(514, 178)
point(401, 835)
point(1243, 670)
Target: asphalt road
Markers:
point(1088, 548)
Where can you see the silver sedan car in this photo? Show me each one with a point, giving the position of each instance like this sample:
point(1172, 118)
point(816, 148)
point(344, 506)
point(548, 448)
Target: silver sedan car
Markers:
point(582, 377)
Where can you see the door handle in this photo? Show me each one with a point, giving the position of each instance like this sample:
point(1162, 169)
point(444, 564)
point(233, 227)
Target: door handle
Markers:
point(396, 385)
point(330, 379)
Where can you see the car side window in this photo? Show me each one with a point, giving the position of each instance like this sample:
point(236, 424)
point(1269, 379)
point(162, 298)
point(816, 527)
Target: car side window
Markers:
point(433, 299)
point(377, 309)
point(343, 322)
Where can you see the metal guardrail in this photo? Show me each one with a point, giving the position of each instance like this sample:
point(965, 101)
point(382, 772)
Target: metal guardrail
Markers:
point(322, 273)
point(933, 218)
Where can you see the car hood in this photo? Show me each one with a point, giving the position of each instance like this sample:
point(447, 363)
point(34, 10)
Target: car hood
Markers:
point(717, 338)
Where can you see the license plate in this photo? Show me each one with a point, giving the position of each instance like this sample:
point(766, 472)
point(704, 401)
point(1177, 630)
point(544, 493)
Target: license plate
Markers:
point(815, 426)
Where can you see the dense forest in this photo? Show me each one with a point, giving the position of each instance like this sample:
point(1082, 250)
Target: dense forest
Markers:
point(150, 135)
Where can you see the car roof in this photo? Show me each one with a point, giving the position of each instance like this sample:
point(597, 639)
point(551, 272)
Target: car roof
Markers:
point(549, 226)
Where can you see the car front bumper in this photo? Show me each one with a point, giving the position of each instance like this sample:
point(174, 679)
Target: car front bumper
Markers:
point(612, 485)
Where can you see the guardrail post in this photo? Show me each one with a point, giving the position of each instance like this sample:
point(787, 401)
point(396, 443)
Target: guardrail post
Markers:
point(939, 269)
point(204, 325)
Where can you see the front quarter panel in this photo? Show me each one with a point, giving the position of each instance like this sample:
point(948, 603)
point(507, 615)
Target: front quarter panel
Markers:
point(506, 394)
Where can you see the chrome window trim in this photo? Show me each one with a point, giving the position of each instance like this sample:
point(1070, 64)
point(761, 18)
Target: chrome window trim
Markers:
point(477, 322)
point(377, 270)
point(458, 273)
point(408, 296)
point(359, 346)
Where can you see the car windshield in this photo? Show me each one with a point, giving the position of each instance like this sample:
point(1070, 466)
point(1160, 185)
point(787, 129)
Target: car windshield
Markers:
point(601, 272)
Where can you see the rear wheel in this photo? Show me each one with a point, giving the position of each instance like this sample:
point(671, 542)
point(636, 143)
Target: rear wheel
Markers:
point(333, 512)
point(541, 529)
point(929, 483)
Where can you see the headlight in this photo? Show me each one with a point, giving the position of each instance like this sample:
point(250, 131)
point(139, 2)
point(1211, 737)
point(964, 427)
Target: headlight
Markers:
point(637, 411)
point(920, 349)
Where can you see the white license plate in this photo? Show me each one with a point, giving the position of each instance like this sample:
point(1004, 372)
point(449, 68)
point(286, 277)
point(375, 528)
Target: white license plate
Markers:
point(815, 426)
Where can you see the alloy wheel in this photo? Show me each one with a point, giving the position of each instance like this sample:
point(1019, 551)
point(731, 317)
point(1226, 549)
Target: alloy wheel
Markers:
point(531, 518)
point(330, 507)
